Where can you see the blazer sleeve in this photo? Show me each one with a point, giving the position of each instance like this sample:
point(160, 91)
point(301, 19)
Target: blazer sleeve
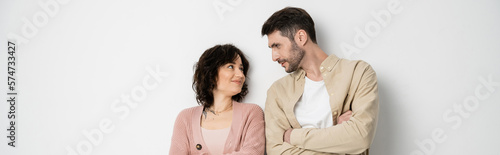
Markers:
point(276, 125)
point(255, 138)
point(180, 143)
point(353, 136)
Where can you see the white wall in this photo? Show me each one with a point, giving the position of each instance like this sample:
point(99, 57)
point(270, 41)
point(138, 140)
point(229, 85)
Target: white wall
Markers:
point(436, 61)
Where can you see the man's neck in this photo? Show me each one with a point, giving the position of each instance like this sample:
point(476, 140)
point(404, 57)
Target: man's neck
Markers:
point(312, 61)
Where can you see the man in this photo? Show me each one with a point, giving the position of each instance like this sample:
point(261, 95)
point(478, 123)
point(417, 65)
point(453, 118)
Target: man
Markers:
point(326, 105)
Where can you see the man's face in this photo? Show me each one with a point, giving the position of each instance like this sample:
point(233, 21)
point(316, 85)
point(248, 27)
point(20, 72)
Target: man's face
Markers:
point(285, 52)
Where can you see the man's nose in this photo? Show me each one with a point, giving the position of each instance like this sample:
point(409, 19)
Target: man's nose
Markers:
point(275, 55)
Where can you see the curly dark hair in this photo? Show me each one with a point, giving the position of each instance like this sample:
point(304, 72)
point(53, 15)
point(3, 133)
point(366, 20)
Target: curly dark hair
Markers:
point(288, 21)
point(207, 71)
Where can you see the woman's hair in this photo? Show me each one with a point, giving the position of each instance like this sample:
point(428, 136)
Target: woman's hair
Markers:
point(207, 70)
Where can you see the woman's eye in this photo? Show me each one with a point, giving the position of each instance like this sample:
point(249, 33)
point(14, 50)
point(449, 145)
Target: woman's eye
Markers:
point(230, 66)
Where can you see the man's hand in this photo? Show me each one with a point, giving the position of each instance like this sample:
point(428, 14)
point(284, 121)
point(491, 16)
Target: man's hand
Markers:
point(344, 117)
point(286, 135)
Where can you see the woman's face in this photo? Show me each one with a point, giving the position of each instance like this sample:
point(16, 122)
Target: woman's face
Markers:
point(231, 78)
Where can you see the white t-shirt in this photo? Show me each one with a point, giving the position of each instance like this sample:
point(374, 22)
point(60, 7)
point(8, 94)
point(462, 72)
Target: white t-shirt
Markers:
point(313, 108)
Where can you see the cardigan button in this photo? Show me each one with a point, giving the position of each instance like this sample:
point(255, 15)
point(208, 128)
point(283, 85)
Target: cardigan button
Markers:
point(198, 146)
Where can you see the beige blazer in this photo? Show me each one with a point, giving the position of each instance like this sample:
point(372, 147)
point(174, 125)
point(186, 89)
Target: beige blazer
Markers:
point(351, 85)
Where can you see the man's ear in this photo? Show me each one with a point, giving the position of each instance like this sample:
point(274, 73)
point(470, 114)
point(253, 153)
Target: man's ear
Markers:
point(301, 37)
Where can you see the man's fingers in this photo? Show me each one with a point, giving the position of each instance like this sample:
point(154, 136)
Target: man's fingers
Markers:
point(346, 114)
point(344, 117)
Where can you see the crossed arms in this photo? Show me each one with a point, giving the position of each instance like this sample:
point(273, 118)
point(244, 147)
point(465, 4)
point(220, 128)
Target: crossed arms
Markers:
point(352, 137)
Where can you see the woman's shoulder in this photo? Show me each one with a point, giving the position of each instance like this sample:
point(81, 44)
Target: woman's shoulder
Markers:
point(249, 107)
point(250, 114)
point(188, 112)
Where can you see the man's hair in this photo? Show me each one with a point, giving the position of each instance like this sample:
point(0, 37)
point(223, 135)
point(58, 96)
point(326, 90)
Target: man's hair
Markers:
point(288, 21)
point(207, 71)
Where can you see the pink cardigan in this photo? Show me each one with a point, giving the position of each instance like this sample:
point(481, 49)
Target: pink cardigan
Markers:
point(246, 135)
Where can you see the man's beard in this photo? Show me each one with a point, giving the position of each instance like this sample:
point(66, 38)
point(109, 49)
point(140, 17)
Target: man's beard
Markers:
point(297, 55)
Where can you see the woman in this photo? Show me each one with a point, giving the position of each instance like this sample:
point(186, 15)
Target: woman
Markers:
point(220, 125)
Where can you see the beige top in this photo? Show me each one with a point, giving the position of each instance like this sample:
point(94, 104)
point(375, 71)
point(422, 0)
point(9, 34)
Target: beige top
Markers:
point(215, 139)
point(351, 85)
